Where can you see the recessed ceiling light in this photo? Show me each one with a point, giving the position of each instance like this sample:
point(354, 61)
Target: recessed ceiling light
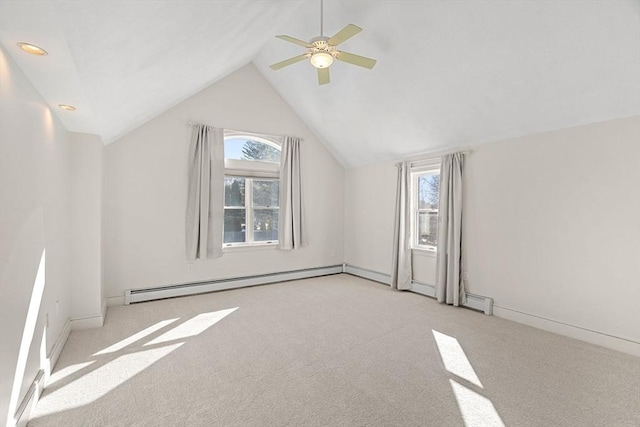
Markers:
point(32, 49)
point(67, 107)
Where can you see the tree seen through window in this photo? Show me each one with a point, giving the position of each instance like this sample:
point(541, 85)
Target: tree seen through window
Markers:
point(427, 212)
point(254, 150)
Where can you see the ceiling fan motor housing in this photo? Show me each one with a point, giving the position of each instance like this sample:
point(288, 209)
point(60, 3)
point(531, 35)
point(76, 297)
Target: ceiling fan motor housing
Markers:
point(321, 55)
point(318, 39)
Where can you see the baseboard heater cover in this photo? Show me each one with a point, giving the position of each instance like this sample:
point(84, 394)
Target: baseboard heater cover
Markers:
point(162, 292)
point(367, 274)
point(475, 302)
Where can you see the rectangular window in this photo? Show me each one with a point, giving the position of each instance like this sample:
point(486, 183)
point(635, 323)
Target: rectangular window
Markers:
point(425, 197)
point(253, 202)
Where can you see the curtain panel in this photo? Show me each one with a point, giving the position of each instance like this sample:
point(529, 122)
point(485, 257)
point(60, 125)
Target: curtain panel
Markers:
point(205, 203)
point(291, 223)
point(449, 278)
point(401, 258)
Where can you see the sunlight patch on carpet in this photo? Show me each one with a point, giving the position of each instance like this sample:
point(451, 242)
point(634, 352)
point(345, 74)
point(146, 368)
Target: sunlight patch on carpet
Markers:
point(68, 370)
point(136, 337)
point(476, 409)
point(193, 326)
point(95, 384)
point(454, 358)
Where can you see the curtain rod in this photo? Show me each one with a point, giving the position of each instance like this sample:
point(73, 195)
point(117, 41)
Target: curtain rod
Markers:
point(436, 154)
point(190, 123)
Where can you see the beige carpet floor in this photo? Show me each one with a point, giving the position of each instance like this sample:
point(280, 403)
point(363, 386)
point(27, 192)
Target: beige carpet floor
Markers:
point(331, 351)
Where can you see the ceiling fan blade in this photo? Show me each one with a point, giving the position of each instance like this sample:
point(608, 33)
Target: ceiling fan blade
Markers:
point(344, 34)
point(358, 60)
point(323, 76)
point(289, 61)
point(295, 41)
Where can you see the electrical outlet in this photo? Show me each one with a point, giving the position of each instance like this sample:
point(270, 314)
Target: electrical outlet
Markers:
point(465, 275)
point(190, 266)
point(47, 320)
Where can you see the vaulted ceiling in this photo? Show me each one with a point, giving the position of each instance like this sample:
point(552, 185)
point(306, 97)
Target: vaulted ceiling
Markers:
point(449, 73)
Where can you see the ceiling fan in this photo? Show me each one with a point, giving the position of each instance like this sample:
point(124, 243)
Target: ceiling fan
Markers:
point(321, 51)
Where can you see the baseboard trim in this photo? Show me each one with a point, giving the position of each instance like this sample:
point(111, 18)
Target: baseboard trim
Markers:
point(23, 413)
point(114, 301)
point(572, 331)
point(92, 321)
point(365, 273)
point(423, 288)
point(486, 305)
point(150, 294)
point(59, 345)
point(87, 322)
point(104, 309)
point(475, 302)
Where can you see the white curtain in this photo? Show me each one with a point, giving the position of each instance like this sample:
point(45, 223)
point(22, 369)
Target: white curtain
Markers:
point(401, 260)
point(449, 283)
point(291, 226)
point(205, 204)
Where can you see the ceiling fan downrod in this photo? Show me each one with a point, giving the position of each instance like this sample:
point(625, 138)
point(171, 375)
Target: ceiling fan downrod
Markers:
point(321, 18)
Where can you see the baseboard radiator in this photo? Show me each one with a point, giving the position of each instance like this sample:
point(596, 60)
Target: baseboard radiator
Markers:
point(475, 302)
point(150, 294)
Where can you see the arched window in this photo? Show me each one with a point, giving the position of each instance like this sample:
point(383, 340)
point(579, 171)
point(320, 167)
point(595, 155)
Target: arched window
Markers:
point(251, 196)
point(251, 148)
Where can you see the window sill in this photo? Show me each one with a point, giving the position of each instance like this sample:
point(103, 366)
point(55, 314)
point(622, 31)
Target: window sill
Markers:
point(424, 252)
point(244, 248)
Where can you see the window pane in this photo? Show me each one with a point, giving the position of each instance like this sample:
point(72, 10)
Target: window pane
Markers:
point(234, 225)
point(428, 228)
point(265, 225)
point(248, 149)
point(428, 191)
point(265, 193)
point(233, 148)
point(234, 191)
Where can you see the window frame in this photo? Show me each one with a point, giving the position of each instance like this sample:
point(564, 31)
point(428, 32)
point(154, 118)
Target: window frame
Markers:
point(431, 168)
point(251, 170)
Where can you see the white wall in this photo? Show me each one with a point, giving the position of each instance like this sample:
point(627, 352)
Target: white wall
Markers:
point(552, 229)
point(34, 216)
point(370, 197)
point(146, 182)
point(86, 230)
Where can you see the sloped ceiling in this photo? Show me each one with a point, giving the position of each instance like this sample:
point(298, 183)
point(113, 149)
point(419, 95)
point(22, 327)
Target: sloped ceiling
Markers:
point(449, 73)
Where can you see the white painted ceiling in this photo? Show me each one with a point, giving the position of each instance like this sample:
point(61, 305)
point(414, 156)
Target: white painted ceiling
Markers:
point(449, 73)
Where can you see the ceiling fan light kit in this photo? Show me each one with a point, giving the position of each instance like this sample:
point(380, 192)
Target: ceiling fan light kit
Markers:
point(321, 51)
point(321, 59)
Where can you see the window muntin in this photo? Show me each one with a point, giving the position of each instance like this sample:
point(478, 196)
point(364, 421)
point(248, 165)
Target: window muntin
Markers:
point(251, 205)
point(250, 201)
point(426, 193)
